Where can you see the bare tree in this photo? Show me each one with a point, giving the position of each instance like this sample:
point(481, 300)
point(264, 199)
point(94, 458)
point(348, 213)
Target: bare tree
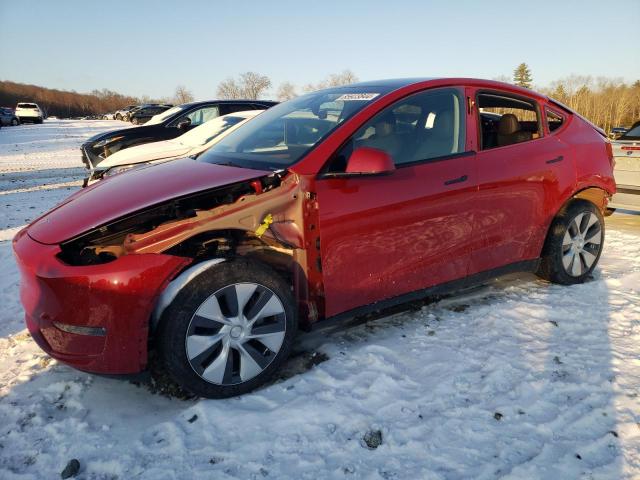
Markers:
point(229, 89)
point(254, 84)
point(286, 91)
point(502, 78)
point(250, 85)
point(333, 80)
point(182, 95)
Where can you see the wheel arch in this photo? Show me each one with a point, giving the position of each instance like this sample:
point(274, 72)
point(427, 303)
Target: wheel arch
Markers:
point(241, 244)
point(592, 194)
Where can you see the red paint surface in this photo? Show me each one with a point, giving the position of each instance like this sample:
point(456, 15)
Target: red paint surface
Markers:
point(118, 296)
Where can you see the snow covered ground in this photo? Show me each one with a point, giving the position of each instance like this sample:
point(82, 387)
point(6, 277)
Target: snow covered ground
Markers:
point(519, 379)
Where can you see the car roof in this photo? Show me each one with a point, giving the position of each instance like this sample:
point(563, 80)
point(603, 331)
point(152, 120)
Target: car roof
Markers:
point(397, 83)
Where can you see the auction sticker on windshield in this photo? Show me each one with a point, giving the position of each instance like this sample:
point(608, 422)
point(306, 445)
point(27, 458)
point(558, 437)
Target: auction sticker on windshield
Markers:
point(356, 96)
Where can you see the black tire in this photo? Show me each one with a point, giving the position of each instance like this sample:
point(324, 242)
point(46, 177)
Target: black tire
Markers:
point(118, 117)
point(552, 267)
point(176, 327)
point(15, 122)
point(134, 120)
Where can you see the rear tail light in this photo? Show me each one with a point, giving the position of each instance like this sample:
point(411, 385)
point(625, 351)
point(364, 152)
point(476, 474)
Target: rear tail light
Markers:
point(629, 148)
point(612, 159)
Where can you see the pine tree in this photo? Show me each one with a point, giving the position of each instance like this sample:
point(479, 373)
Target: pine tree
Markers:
point(559, 93)
point(522, 76)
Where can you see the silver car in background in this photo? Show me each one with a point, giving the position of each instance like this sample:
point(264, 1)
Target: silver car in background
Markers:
point(626, 151)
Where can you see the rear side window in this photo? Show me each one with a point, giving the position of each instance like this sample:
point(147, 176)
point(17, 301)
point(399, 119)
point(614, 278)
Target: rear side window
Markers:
point(554, 120)
point(507, 120)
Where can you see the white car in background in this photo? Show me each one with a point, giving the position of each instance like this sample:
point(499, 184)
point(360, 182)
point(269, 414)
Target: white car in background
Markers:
point(29, 112)
point(191, 143)
point(626, 152)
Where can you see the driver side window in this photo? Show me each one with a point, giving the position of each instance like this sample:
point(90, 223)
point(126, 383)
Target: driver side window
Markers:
point(420, 127)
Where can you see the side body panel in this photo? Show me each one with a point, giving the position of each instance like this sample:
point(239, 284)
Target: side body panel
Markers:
point(389, 235)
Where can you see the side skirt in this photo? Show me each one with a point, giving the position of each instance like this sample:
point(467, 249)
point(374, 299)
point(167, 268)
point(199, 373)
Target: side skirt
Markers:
point(442, 289)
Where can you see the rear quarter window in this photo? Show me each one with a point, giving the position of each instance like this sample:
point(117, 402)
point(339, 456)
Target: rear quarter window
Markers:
point(555, 120)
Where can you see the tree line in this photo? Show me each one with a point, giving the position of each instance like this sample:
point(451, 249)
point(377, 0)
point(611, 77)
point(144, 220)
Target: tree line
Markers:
point(607, 102)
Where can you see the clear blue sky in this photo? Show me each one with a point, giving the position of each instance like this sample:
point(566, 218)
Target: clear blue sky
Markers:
point(149, 47)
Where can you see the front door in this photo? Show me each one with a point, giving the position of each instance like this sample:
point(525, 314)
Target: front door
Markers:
point(385, 236)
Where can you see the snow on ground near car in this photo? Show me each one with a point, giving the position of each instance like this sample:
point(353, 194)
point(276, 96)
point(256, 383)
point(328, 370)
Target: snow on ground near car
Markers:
point(518, 379)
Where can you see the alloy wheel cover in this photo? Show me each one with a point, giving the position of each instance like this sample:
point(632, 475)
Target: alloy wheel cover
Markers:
point(235, 333)
point(581, 243)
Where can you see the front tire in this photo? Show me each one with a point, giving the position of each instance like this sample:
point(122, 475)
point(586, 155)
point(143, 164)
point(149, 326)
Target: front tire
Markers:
point(573, 245)
point(228, 330)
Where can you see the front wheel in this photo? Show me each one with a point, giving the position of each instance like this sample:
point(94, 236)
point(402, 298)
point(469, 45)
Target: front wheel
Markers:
point(228, 330)
point(134, 120)
point(573, 245)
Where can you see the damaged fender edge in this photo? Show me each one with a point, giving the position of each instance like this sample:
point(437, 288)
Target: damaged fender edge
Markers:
point(176, 285)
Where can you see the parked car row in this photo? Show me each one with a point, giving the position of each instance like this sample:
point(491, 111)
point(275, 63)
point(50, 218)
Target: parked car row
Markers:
point(163, 126)
point(23, 113)
point(137, 114)
point(327, 206)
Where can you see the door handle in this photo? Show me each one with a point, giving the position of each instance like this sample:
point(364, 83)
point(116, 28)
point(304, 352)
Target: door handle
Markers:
point(556, 160)
point(461, 179)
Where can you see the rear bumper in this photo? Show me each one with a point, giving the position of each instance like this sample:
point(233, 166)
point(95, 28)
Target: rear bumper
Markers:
point(94, 318)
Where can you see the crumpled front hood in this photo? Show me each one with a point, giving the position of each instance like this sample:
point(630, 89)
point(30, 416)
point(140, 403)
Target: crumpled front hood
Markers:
point(129, 192)
point(146, 153)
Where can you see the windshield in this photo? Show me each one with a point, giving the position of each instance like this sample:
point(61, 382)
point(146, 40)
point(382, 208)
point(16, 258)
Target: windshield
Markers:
point(209, 130)
point(283, 134)
point(161, 117)
point(633, 134)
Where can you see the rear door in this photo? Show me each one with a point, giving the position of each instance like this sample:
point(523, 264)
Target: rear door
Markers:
point(385, 236)
point(524, 172)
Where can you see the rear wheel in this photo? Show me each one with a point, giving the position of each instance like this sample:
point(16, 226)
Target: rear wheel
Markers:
point(573, 245)
point(228, 330)
point(14, 121)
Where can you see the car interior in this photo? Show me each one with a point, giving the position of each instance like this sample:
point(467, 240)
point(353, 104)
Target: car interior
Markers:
point(422, 127)
point(506, 120)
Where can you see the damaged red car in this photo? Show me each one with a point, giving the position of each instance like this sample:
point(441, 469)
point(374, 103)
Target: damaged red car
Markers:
point(328, 206)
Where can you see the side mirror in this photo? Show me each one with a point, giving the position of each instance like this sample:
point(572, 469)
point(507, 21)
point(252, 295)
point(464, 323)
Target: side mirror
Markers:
point(184, 124)
point(370, 161)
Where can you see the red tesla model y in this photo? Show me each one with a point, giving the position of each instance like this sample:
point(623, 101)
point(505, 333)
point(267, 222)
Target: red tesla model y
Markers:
point(324, 207)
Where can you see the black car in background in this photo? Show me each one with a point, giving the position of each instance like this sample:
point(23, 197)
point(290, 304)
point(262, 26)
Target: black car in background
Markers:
point(144, 113)
point(8, 117)
point(167, 125)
